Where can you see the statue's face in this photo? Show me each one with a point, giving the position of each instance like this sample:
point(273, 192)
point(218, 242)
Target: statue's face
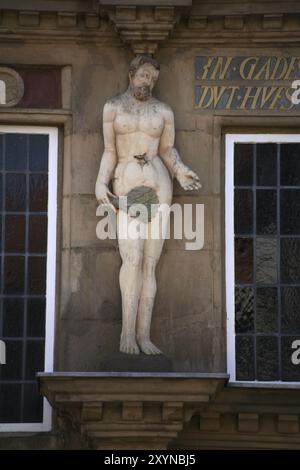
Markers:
point(143, 81)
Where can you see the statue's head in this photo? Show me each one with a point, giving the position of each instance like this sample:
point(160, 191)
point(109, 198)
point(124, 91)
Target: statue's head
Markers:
point(143, 73)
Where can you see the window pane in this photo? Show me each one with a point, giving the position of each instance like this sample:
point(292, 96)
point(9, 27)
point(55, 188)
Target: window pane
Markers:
point(34, 358)
point(15, 233)
point(244, 358)
point(36, 275)
point(1, 192)
point(38, 193)
point(243, 210)
point(266, 260)
point(33, 404)
point(13, 317)
point(10, 400)
point(13, 367)
point(290, 310)
point(1, 150)
point(290, 369)
point(290, 164)
point(290, 211)
point(14, 273)
point(38, 152)
point(266, 164)
point(267, 358)
point(15, 192)
point(38, 234)
point(36, 311)
point(266, 212)
point(290, 260)
point(243, 164)
point(243, 260)
point(244, 315)
point(266, 310)
point(15, 152)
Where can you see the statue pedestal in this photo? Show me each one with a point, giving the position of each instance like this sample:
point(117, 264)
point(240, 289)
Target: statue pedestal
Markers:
point(119, 410)
point(120, 362)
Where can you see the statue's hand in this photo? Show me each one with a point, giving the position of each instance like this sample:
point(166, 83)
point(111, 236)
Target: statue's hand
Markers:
point(103, 194)
point(188, 179)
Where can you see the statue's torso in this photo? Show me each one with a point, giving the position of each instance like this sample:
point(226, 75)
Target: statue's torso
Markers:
point(138, 130)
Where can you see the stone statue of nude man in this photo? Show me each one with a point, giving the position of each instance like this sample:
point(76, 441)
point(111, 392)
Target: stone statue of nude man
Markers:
point(139, 152)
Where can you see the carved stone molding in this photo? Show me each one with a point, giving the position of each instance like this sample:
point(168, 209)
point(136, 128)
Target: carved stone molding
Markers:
point(128, 410)
point(143, 27)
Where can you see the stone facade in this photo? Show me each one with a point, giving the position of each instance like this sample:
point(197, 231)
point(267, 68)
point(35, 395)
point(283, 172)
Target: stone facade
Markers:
point(93, 42)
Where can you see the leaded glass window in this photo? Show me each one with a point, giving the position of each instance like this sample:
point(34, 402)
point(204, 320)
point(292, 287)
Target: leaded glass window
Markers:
point(24, 204)
point(266, 252)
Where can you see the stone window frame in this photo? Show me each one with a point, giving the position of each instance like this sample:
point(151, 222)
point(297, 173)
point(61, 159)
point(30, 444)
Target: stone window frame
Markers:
point(230, 140)
point(52, 132)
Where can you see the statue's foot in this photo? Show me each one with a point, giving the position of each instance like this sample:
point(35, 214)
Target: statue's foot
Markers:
point(129, 345)
point(148, 347)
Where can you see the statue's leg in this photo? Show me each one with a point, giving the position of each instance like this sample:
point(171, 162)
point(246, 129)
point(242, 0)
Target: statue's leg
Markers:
point(152, 252)
point(131, 252)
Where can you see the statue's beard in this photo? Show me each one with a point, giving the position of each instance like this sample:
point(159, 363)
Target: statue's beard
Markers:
point(141, 93)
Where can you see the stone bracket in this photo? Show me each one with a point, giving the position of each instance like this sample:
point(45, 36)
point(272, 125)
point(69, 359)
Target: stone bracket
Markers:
point(144, 27)
point(122, 410)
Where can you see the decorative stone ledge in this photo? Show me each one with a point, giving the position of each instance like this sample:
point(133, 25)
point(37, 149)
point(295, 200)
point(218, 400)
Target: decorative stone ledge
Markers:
point(143, 28)
point(128, 410)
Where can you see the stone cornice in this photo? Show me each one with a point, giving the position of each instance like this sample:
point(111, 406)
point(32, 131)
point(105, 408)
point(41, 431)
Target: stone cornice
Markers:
point(144, 27)
point(118, 410)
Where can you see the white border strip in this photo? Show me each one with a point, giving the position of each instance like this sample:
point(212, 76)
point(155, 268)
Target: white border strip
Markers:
point(230, 140)
point(51, 269)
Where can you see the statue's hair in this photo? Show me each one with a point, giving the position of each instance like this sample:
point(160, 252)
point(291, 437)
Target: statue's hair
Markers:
point(140, 60)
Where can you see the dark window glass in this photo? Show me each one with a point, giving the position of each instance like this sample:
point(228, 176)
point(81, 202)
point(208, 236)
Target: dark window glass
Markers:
point(37, 234)
point(38, 152)
point(38, 193)
point(10, 401)
point(266, 310)
point(15, 152)
point(33, 404)
point(266, 165)
point(15, 192)
point(13, 367)
point(1, 192)
point(15, 233)
point(267, 358)
point(290, 260)
point(243, 260)
point(36, 275)
point(243, 164)
point(290, 345)
point(266, 212)
point(290, 308)
point(14, 274)
point(34, 358)
point(243, 209)
point(244, 357)
point(266, 260)
point(1, 150)
point(244, 314)
point(13, 317)
point(289, 165)
point(36, 311)
point(290, 211)
point(23, 250)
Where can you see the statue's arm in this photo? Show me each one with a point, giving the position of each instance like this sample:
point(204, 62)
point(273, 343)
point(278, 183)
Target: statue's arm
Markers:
point(167, 151)
point(109, 157)
point(187, 178)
